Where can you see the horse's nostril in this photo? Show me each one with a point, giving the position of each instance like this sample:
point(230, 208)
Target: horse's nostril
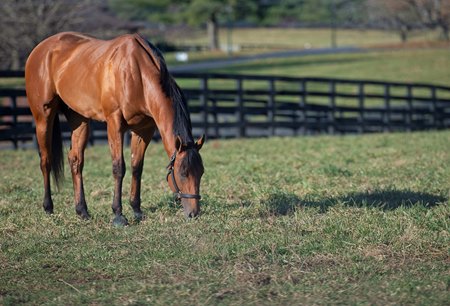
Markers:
point(193, 214)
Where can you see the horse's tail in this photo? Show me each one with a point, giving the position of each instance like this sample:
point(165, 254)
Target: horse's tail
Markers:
point(57, 153)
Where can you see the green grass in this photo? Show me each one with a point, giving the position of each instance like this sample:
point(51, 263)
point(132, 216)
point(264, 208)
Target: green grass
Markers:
point(323, 220)
point(12, 83)
point(414, 65)
point(280, 38)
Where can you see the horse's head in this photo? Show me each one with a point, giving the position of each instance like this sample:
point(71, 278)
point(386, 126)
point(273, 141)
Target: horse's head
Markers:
point(185, 172)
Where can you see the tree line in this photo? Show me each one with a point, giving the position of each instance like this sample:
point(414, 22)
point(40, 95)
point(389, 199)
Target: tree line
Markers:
point(25, 23)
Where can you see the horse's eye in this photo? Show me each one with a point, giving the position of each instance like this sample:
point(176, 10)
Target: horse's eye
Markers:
point(184, 173)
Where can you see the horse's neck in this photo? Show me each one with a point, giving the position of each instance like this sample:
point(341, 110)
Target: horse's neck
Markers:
point(167, 137)
point(164, 115)
point(166, 130)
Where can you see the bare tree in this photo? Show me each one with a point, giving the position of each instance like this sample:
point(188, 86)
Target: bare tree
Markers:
point(404, 15)
point(397, 15)
point(433, 14)
point(25, 23)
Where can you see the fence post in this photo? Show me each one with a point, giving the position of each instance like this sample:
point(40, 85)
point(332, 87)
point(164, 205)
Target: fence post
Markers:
point(14, 107)
point(409, 116)
point(91, 134)
point(434, 112)
point(204, 102)
point(387, 108)
point(302, 120)
point(271, 107)
point(332, 110)
point(240, 108)
point(361, 117)
point(215, 117)
point(127, 136)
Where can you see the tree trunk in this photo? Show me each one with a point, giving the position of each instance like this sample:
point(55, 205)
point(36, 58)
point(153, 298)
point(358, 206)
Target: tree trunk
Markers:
point(403, 33)
point(445, 32)
point(15, 60)
point(213, 32)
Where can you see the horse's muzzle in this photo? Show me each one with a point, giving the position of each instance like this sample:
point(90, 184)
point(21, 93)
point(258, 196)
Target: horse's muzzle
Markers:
point(191, 207)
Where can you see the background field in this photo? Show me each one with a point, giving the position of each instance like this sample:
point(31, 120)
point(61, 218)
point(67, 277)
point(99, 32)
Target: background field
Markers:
point(341, 220)
point(429, 65)
point(419, 60)
point(281, 38)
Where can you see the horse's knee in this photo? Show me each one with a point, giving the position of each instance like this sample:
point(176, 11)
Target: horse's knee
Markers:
point(118, 169)
point(45, 164)
point(136, 169)
point(75, 163)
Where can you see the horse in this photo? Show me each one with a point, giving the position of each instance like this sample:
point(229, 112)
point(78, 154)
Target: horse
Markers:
point(125, 83)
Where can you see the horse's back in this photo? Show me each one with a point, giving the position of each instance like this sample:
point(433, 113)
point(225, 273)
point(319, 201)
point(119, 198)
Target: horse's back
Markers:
point(84, 71)
point(62, 42)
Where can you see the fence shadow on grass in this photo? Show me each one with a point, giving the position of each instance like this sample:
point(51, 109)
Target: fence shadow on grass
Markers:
point(283, 203)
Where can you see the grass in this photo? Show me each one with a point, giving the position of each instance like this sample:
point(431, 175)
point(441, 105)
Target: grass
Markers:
point(281, 38)
point(323, 220)
point(414, 65)
point(9, 83)
point(428, 65)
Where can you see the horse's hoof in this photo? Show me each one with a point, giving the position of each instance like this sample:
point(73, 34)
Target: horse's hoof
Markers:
point(120, 221)
point(85, 216)
point(82, 213)
point(138, 216)
point(48, 207)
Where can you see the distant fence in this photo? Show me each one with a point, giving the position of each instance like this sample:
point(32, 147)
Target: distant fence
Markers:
point(225, 106)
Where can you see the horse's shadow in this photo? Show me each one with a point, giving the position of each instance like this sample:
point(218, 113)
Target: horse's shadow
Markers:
point(281, 203)
point(284, 203)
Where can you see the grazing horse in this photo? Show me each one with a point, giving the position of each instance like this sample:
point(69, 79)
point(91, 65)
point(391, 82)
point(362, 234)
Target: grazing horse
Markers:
point(125, 83)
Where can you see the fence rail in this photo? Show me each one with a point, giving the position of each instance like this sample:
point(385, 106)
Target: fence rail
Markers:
point(224, 106)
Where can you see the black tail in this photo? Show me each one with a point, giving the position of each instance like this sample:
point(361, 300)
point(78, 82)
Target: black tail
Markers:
point(57, 154)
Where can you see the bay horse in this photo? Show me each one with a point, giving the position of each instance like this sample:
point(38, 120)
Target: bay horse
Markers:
point(125, 83)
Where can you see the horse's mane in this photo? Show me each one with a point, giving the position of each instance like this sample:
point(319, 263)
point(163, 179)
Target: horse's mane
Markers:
point(182, 125)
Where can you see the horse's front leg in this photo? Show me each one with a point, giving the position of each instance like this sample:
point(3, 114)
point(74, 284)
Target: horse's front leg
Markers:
point(115, 139)
point(139, 143)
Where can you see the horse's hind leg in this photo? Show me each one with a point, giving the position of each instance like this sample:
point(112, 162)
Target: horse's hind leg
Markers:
point(80, 136)
point(45, 119)
point(139, 142)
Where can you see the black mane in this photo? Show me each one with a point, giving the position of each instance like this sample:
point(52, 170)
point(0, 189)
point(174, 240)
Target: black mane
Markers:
point(192, 163)
point(182, 125)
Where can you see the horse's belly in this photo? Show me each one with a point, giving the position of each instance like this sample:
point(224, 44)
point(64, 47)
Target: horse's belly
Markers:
point(81, 94)
point(86, 106)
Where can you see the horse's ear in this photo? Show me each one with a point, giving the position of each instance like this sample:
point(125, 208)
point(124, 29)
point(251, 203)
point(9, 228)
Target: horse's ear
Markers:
point(178, 143)
point(199, 143)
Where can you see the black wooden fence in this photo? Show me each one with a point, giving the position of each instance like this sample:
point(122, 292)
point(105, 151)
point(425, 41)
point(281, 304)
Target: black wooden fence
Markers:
point(224, 106)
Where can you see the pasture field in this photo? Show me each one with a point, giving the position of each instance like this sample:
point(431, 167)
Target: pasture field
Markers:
point(306, 220)
point(282, 38)
point(415, 65)
point(407, 65)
